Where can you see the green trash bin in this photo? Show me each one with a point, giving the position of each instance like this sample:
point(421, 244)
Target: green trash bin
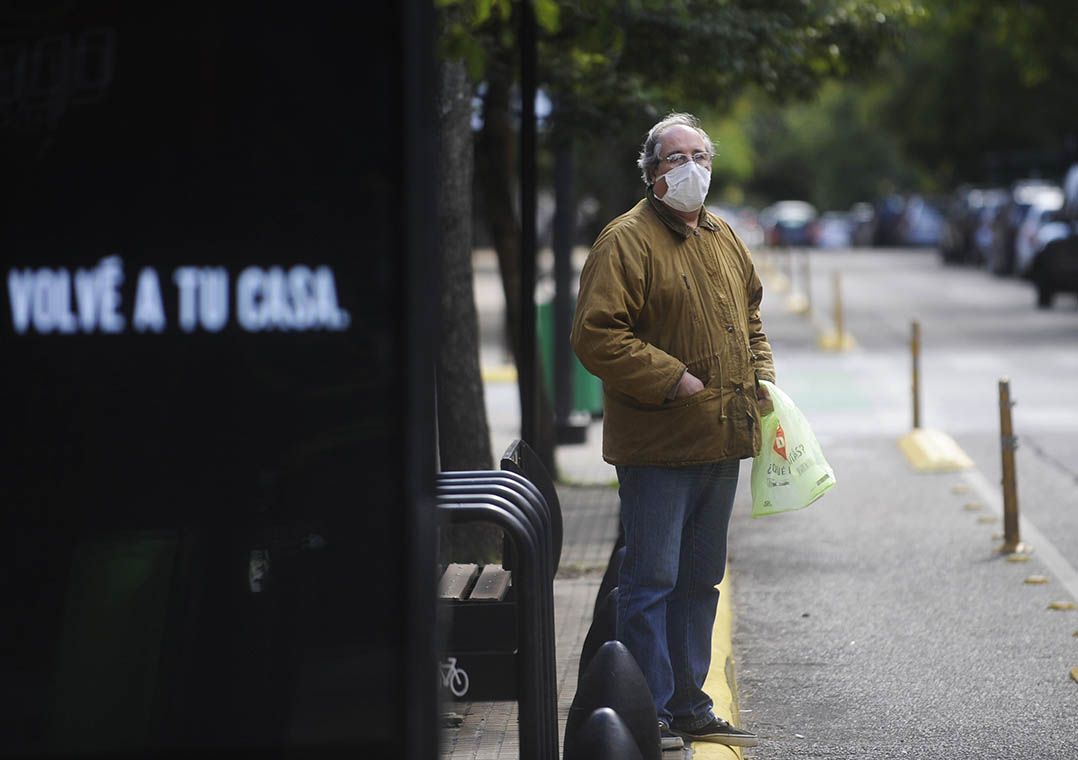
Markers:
point(587, 389)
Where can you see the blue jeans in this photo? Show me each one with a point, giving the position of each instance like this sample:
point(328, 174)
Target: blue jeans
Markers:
point(675, 521)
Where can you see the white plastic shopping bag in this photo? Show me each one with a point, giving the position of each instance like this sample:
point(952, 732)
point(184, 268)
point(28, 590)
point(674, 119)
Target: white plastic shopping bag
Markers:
point(790, 471)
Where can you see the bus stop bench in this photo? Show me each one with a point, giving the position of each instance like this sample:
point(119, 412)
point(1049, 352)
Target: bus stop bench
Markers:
point(482, 631)
point(500, 618)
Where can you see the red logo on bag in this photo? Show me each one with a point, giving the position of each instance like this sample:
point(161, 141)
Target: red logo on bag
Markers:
point(780, 442)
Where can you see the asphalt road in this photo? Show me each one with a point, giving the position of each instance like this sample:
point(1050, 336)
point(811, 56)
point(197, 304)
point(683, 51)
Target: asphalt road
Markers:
point(882, 621)
point(976, 329)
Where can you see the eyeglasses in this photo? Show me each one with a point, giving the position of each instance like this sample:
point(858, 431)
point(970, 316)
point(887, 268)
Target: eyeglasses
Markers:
point(680, 159)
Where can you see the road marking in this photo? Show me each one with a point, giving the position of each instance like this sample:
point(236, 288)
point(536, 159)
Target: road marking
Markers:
point(721, 680)
point(1042, 547)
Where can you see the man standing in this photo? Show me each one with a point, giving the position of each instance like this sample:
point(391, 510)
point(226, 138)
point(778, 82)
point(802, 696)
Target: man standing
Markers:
point(668, 317)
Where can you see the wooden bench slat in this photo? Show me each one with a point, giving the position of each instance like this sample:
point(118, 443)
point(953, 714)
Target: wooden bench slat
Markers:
point(457, 580)
point(492, 585)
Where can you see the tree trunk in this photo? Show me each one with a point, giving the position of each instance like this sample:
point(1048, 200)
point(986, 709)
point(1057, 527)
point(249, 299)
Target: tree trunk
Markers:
point(497, 152)
point(463, 431)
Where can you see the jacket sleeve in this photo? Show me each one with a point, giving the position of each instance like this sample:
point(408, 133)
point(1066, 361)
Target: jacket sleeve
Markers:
point(759, 348)
point(613, 290)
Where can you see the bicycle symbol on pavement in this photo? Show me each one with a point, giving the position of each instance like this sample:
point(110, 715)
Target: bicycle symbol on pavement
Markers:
point(454, 678)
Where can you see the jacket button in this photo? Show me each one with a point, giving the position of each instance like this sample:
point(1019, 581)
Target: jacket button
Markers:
point(729, 328)
point(737, 389)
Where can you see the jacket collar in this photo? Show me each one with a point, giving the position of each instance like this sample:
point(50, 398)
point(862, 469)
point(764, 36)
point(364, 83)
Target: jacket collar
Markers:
point(673, 221)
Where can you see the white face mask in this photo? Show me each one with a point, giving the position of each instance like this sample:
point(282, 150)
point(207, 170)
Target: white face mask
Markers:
point(686, 186)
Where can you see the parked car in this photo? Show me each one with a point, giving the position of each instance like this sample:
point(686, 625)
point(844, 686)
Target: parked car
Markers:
point(986, 231)
point(743, 220)
point(967, 226)
point(1070, 191)
point(1038, 226)
point(833, 229)
point(919, 224)
point(1000, 254)
point(1054, 268)
point(863, 221)
point(888, 213)
point(958, 217)
point(788, 222)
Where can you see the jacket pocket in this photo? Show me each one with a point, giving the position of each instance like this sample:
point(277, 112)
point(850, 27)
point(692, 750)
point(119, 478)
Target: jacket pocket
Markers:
point(690, 296)
point(677, 403)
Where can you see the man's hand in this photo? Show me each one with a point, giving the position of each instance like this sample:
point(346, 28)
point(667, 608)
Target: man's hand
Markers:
point(763, 400)
point(688, 385)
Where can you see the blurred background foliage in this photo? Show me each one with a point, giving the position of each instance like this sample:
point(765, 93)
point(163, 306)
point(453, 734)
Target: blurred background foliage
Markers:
point(830, 101)
point(974, 92)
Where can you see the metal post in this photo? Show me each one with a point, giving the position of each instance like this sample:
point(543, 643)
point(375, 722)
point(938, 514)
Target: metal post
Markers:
point(527, 365)
point(915, 349)
point(806, 279)
point(569, 428)
point(1008, 444)
point(840, 328)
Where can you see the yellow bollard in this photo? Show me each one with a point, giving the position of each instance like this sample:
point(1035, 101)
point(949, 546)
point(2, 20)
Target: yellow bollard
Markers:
point(796, 302)
point(931, 450)
point(839, 340)
point(780, 283)
point(840, 328)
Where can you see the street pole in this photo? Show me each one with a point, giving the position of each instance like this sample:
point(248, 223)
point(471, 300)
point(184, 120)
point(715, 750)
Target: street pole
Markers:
point(527, 365)
point(567, 430)
point(915, 349)
point(1008, 445)
point(840, 328)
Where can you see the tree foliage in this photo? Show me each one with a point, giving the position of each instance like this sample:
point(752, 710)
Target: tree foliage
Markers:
point(603, 59)
point(829, 151)
point(980, 92)
point(986, 91)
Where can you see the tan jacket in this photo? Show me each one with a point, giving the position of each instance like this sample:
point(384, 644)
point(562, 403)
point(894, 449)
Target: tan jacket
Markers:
point(657, 297)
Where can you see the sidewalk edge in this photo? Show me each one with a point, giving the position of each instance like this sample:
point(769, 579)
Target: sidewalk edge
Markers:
point(721, 683)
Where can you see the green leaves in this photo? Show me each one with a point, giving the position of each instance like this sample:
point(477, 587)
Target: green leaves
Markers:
point(547, 15)
point(618, 55)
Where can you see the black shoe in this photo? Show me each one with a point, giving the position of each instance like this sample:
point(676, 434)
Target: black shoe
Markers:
point(667, 739)
point(720, 732)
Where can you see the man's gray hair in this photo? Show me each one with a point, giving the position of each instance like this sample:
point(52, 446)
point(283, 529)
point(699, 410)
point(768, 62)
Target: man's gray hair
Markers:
point(649, 153)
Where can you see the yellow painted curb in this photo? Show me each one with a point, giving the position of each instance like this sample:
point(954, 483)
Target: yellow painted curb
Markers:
point(933, 451)
point(720, 684)
point(506, 373)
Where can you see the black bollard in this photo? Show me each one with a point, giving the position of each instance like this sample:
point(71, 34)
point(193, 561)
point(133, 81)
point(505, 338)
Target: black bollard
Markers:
point(610, 577)
point(604, 628)
point(603, 736)
point(613, 679)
